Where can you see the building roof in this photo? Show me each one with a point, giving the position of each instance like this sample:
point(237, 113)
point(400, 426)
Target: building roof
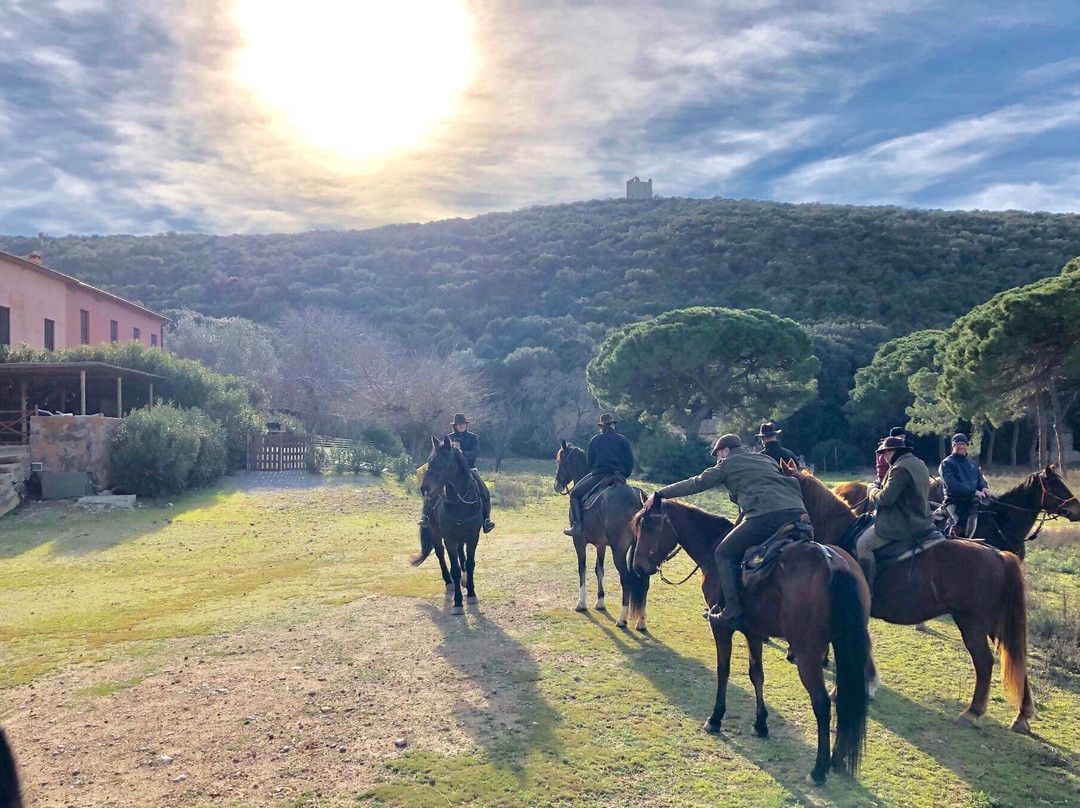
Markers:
point(68, 279)
point(54, 370)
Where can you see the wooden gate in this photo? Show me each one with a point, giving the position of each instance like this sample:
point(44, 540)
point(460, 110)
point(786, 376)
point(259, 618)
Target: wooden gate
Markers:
point(278, 452)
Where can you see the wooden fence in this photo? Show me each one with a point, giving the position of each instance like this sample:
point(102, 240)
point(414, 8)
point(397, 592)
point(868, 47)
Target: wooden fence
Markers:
point(14, 427)
point(278, 452)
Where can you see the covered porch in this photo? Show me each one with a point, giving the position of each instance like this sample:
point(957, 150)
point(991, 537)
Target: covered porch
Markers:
point(72, 388)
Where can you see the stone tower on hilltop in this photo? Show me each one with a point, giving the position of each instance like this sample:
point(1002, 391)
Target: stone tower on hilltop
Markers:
point(636, 189)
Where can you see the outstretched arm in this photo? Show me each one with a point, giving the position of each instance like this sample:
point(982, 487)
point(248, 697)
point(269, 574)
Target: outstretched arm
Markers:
point(710, 478)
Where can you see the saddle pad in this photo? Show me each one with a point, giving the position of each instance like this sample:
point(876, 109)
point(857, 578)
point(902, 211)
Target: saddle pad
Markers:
point(759, 560)
point(602, 486)
point(899, 551)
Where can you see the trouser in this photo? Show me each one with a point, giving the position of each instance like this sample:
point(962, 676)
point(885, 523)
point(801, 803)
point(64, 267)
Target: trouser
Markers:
point(959, 511)
point(869, 543)
point(729, 553)
point(582, 488)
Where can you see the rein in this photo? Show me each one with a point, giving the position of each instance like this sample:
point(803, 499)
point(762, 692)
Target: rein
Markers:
point(1045, 515)
point(678, 549)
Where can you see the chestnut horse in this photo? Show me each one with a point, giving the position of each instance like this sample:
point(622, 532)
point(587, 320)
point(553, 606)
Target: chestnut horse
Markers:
point(855, 494)
point(812, 597)
point(606, 523)
point(980, 587)
point(456, 518)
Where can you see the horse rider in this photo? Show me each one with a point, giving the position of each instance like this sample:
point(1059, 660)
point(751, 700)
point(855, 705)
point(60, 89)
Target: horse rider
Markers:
point(770, 444)
point(902, 502)
point(767, 499)
point(964, 485)
point(469, 444)
point(609, 454)
point(881, 465)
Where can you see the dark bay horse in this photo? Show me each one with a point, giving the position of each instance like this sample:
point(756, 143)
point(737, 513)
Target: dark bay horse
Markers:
point(607, 523)
point(456, 519)
point(980, 587)
point(855, 494)
point(809, 599)
point(9, 777)
point(1042, 495)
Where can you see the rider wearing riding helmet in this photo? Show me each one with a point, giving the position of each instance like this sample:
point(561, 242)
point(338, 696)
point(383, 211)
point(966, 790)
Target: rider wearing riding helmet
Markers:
point(610, 454)
point(964, 484)
point(469, 444)
point(767, 498)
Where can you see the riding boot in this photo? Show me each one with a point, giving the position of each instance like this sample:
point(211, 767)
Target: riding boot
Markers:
point(869, 570)
point(485, 496)
point(576, 518)
point(425, 516)
point(731, 616)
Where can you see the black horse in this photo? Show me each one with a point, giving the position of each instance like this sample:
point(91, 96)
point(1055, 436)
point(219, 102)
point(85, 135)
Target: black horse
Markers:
point(456, 518)
point(9, 778)
point(1006, 522)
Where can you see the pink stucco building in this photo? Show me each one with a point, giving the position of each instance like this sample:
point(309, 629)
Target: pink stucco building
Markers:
point(44, 308)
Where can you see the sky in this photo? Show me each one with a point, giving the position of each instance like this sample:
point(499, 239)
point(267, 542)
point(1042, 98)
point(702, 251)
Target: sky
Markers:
point(259, 116)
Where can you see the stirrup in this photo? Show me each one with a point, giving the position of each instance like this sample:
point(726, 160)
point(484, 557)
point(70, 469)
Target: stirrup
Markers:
point(424, 521)
point(717, 618)
point(488, 526)
point(573, 531)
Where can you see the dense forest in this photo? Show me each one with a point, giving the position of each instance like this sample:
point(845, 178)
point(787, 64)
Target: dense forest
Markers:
point(561, 277)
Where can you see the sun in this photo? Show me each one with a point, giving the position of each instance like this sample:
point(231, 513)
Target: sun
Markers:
point(358, 77)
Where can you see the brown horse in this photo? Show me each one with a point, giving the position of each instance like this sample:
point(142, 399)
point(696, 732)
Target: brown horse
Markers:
point(856, 494)
point(814, 596)
point(456, 518)
point(982, 588)
point(607, 523)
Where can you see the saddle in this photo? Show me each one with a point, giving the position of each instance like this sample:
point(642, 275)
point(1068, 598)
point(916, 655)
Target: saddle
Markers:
point(605, 483)
point(897, 551)
point(760, 560)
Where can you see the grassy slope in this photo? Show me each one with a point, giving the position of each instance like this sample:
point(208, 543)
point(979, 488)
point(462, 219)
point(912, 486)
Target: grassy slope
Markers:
point(598, 715)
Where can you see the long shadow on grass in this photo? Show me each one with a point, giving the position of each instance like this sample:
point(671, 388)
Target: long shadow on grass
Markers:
point(691, 685)
point(504, 669)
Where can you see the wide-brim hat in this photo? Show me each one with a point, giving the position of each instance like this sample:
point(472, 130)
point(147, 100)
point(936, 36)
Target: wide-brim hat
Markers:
point(728, 441)
point(460, 418)
point(768, 430)
point(607, 419)
point(892, 443)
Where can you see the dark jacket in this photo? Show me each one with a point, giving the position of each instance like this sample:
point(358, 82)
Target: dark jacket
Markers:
point(469, 444)
point(961, 476)
point(754, 483)
point(610, 452)
point(777, 452)
point(903, 501)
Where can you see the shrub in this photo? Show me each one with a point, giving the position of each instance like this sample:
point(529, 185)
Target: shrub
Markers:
point(166, 450)
point(402, 467)
point(383, 439)
point(662, 456)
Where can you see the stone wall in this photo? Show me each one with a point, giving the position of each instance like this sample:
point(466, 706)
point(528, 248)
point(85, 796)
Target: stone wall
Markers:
point(75, 443)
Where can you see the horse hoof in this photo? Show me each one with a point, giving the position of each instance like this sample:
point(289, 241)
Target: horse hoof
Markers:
point(965, 719)
point(581, 607)
point(642, 629)
point(1021, 726)
point(710, 727)
point(600, 607)
point(449, 586)
point(620, 624)
point(762, 731)
point(458, 610)
point(815, 779)
point(472, 599)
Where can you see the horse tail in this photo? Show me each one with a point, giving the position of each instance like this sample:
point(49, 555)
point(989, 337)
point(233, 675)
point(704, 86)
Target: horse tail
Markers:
point(9, 778)
point(1010, 633)
point(851, 646)
point(637, 584)
point(426, 546)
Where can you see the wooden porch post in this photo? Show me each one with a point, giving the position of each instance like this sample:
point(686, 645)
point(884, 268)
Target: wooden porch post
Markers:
point(82, 389)
point(151, 395)
point(119, 396)
point(24, 424)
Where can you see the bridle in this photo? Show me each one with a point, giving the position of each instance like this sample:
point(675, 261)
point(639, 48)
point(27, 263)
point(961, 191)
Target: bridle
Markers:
point(665, 520)
point(1044, 511)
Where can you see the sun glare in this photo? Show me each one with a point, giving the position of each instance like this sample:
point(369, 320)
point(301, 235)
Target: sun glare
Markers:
point(361, 78)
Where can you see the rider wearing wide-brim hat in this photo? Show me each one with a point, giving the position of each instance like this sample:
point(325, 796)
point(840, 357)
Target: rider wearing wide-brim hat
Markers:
point(769, 434)
point(768, 499)
point(610, 454)
point(469, 444)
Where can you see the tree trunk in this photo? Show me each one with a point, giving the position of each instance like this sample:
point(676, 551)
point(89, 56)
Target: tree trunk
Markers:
point(989, 461)
point(1015, 441)
point(691, 421)
point(942, 446)
point(1059, 438)
point(1040, 418)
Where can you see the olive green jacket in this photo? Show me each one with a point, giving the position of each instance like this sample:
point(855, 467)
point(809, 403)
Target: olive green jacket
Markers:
point(754, 483)
point(903, 501)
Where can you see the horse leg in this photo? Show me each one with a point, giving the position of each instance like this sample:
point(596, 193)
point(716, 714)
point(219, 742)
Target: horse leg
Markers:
point(470, 566)
point(813, 679)
point(439, 554)
point(624, 580)
point(983, 659)
point(600, 552)
point(757, 677)
point(455, 573)
point(1022, 721)
point(722, 638)
point(579, 546)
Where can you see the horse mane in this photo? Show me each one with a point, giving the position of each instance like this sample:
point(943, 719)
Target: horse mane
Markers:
point(822, 496)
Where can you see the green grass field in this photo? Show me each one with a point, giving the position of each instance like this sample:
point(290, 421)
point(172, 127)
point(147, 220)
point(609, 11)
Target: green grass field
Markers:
point(278, 647)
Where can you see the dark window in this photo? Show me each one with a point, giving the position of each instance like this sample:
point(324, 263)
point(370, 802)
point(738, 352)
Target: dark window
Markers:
point(153, 340)
point(50, 335)
point(114, 331)
point(84, 326)
point(5, 325)
point(134, 333)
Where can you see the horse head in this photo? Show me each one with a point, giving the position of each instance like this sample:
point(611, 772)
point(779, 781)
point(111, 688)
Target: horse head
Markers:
point(570, 466)
point(1056, 498)
point(446, 466)
point(654, 537)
